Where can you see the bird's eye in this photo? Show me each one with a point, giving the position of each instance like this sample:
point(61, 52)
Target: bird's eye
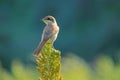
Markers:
point(48, 19)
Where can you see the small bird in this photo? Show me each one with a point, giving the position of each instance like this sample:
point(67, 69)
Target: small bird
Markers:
point(50, 33)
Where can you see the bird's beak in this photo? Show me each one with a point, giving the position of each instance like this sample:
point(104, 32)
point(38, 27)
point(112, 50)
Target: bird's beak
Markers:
point(43, 19)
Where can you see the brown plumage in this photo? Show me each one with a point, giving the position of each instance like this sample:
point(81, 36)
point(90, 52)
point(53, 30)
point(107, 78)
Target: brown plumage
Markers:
point(50, 33)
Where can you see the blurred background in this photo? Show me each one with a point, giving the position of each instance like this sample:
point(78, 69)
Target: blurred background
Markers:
point(88, 28)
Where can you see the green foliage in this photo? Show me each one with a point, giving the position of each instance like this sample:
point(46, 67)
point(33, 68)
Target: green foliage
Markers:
point(18, 72)
point(106, 69)
point(73, 68)
point(22, 73)
point(49, 64)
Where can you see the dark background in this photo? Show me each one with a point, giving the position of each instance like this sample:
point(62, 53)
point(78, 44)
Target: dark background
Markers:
point(88, 28)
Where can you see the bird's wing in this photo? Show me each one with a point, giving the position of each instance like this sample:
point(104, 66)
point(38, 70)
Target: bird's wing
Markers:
point(39, 48)
point(50, 31)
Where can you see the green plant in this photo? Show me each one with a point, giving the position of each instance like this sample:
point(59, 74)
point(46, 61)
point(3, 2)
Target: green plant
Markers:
point(73, 68)
point(48, 62)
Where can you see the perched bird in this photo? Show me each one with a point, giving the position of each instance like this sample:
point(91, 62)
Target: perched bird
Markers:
point(50, 33)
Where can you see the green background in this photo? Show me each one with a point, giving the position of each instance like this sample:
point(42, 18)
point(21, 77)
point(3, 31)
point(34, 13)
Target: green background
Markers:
point(88, 28)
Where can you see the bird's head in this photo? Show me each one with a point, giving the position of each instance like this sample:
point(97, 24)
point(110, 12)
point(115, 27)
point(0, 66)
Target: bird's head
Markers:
point(49, 19)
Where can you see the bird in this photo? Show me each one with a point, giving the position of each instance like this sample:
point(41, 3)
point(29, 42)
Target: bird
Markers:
point(50, 33)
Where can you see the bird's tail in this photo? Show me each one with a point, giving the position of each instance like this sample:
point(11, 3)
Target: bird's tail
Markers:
point(39, 48)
